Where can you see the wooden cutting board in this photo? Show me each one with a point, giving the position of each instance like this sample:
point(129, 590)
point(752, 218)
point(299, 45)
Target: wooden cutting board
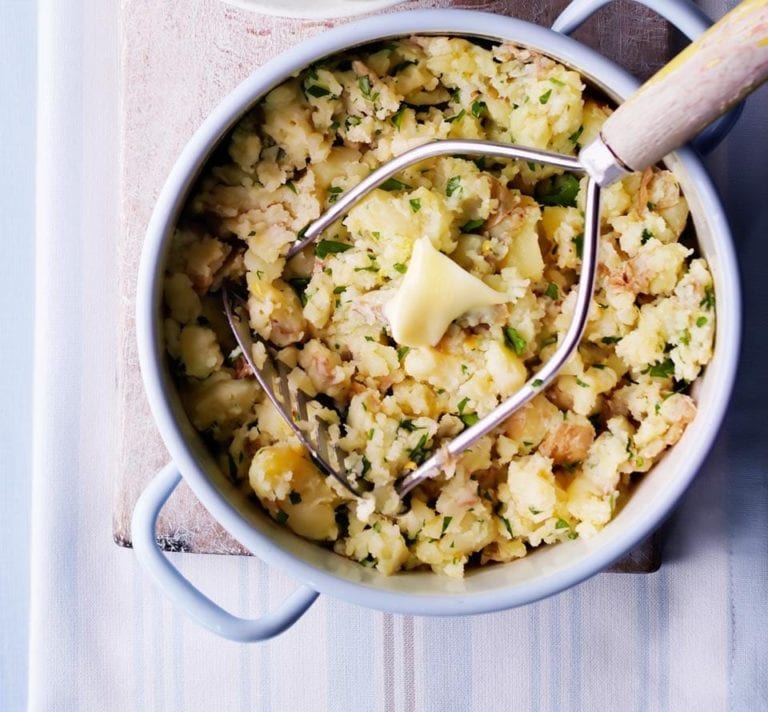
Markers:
point(178, 60)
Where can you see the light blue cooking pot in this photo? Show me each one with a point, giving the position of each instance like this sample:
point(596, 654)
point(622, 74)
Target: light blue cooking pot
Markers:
point(542, 573)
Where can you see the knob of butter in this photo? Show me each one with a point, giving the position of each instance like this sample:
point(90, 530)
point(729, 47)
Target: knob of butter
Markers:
point(434, 291)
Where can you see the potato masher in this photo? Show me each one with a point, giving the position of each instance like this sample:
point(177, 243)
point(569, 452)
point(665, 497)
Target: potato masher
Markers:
point(716, 71)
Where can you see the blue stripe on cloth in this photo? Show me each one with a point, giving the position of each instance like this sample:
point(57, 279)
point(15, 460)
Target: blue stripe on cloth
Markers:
point(246, 651)
point(177, 646)
point(643, 639)
point(137, 640)
point(662, 601)
point(534, 622)
point(575, 667)
point(554, 609)
point(350, 657)
point(447, 646)
point(158, 633)
point(265, 658)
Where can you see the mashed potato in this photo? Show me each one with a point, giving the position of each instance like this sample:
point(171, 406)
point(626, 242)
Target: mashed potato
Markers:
point(556, 470)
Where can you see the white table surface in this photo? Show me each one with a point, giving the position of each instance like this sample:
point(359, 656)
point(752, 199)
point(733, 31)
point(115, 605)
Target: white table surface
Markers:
point(707, 632)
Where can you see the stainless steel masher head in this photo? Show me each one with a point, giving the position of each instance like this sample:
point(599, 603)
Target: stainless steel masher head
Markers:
point(290, 402)
point(708, 77)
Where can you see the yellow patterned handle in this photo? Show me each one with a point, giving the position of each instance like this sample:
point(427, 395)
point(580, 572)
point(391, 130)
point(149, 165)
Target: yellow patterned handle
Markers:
point(712, 74)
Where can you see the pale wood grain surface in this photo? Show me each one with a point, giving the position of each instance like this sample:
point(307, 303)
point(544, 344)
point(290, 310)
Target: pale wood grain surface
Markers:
point(178, 60)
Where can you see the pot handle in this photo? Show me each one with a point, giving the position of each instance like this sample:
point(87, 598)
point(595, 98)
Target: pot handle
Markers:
point(683, 15)
point(183, 594)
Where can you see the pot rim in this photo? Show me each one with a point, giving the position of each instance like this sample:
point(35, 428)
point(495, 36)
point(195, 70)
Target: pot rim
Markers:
point(468, 23)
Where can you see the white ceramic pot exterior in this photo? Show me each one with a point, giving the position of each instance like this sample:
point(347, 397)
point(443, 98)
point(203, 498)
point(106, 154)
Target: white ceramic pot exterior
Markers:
point(543, 572)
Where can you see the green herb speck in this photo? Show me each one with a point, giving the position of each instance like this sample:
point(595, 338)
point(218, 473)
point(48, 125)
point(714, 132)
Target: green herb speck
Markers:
point(330, 247)
point(454, 184)
point(478, 107)
point(552, 291)
point(392, 184)
point(471, 225)
point(514, 341)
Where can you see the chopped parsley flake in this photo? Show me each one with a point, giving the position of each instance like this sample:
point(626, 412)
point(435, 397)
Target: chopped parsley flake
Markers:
point(558, 190)
point(514, 341)
point(562, 524)
point(419, 453)
point(318, 91)
point(611, 339)
point(576, 135)
point(578, 242)
point(552, 291)
point(402, 352)
point(457, 117)
point(299, 285)
point(290, 185)
point(330, 247)
point(400, 66)
point(415, 204)
point(397, 118)
point(399, 267)
point(665, 369)
point(454, 184)
point(701, 321)
point(446, 522)
point(538, 382)
point(469, 419)
point(544, 98)
point(472, 225)
point(478, 107)
point(364, 83)
point(392, 184)
point(647, 235)
point(709, 298)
